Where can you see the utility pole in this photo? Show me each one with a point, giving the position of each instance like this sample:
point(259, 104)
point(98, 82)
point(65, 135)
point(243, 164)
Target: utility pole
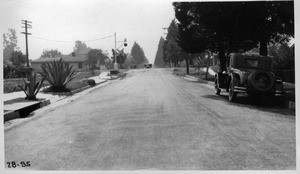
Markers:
point(27, 25)
point(123, 44)
point(115, 65)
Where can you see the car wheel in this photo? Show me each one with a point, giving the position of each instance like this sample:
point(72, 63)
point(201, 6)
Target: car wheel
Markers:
point(231, 92)
point(217, 89)
point(262, 81)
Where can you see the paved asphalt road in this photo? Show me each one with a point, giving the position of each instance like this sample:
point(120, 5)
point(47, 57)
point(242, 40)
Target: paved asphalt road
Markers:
point(152, 120)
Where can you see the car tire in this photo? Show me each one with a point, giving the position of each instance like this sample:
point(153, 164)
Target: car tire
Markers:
point(264, 76)
point(231, 92)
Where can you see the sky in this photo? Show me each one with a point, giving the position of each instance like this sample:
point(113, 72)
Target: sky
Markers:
point(57, 24)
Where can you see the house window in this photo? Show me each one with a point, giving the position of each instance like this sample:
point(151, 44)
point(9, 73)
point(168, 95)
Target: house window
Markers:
point(80, 65)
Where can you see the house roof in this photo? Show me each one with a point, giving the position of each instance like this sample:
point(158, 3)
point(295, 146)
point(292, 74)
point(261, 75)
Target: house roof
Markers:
point(83, 52)
point(65, 58)
point(79, 57)
point(46, 59)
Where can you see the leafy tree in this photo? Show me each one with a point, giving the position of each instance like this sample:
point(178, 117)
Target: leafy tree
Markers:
point(159, 57)
point(121, 57)
point(205, 26)
point(138, 54)
point(226, 27)
point(94, 56)
point(171, 48)
point(79, 46)
point(270, 20)
point(18, 59)
point(283, 55)
point(173, 53)
point(109, 63)
point(9, 44)
point(129, 61)
point(50, 53)
point(7, 71)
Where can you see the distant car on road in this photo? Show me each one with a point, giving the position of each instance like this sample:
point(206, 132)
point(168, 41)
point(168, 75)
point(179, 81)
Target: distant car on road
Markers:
point(148, 65)
point(248, 73)
point(133, 66)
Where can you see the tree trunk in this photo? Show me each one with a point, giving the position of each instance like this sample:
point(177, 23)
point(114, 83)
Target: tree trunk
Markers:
point(263, 49)
point(207, 66)
point(222, 59)
point(187, 65)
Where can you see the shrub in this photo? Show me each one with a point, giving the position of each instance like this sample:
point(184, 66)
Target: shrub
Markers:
point(7, 71)
point(58, 74)
point(31, 87)
point(91, 82)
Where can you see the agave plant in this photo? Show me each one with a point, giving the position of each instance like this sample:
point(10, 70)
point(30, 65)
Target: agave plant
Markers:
point(31, 87)
point(58, 74)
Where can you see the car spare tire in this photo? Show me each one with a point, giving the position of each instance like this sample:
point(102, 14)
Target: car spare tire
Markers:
point(261, 81)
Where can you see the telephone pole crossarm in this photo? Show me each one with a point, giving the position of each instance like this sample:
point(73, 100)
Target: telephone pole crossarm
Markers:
point(27, 26)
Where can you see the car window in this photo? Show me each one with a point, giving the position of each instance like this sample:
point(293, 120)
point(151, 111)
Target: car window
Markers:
point(252, 62)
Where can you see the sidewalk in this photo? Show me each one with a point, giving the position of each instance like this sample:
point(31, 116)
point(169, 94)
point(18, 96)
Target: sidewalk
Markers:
point(16, 107)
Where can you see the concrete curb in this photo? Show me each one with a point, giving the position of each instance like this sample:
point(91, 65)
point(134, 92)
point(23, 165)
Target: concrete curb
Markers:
point(25, 111)
point(191, 78)
point(196, 79)
point(11, 115)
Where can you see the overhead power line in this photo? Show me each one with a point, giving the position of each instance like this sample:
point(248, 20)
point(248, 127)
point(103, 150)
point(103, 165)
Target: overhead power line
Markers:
point(98, 39)
point(62, 41)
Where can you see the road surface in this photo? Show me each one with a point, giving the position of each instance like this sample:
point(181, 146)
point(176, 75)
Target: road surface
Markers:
point(154, 120)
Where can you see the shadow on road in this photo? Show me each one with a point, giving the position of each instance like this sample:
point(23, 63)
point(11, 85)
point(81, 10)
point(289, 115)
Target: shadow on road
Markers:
point(262, 103)
point(123, 76)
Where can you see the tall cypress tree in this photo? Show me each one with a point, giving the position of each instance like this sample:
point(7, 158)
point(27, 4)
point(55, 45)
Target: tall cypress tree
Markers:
point(138, 54)
point(159, 58)
point(172, 52)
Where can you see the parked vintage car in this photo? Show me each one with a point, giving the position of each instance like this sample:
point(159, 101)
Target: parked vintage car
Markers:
point(133, 66)
point(148, 65)
point(248, 73)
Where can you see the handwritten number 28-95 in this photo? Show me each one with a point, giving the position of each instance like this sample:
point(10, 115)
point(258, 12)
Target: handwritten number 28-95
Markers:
point(13, 164)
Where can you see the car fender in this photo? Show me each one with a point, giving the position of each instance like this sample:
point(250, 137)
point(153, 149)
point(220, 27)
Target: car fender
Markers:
point(237, 74)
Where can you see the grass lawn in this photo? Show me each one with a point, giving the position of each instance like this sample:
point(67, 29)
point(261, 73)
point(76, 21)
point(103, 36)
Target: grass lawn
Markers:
point(10, 84)
point(78, 82)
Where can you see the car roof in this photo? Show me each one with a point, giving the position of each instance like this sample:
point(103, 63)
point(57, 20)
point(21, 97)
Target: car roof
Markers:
point(245, 55)
point(237, 60)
